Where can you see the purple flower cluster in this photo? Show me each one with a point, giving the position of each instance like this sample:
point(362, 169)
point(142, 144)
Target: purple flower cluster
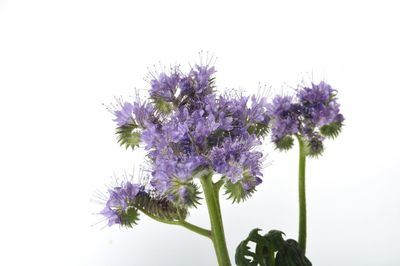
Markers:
point(196, 83)
point(138, 113)
point(202, 131)
point(313, 114)
point(235, 159)
point(286, 116)
point(118, 203)
point(319, 105)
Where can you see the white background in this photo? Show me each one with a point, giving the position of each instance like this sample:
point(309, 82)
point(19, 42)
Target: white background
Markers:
point(60, 60)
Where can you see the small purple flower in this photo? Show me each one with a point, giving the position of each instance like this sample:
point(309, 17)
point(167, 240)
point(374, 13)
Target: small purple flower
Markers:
point(235, 158)
point(202, 75)
point(165, 86)
point(118, 201)
point(318, 103)
point(124, 115)
point(258, 111)
point(285, 114)
point(312, 113)
point(143, 113)
point(197, 82)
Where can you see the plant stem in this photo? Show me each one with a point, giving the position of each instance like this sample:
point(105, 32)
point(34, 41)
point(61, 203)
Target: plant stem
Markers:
point(302, 196)
point(211, 193)
point(197, 229)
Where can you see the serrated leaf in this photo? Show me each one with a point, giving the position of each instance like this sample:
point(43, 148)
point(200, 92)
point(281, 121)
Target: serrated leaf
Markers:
point(291, 255)
point(288, 253)
point(243, 251)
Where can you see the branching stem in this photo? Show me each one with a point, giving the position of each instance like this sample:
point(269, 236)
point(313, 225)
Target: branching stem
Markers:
point(197, 229)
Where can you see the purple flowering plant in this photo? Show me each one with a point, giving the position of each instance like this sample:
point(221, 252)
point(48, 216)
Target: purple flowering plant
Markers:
point(199, 142)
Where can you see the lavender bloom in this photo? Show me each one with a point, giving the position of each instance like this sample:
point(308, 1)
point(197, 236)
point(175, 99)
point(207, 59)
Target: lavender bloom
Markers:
point(200, 131)
point(235, 158)
point(118, 203)
point(197, 82)
point(124, 115)
point(143, 113)
point(314, 113)
point(285, 115)
point(202, 76)
point(318, 104)
point(165, 86)
point(137, 113)
point(258, 111)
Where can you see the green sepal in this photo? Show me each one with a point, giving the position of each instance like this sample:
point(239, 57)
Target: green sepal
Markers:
point(159, 207)
point(332, 130)
point(285, 143)
point(129, 217)
point(129, 135)
point(314, 147)
point(163, 107)
point(288, 253)
point(260, 129)
point(192, 199)
point(236, 191)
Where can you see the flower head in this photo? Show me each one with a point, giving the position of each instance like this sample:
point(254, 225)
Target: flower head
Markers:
point(313, 114)
point(123, 115)
point(165, 85)
point(187, 128)
point(118, 204)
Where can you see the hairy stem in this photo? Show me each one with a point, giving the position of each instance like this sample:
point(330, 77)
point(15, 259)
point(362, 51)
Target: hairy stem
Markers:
point(302, 196)
point(197, 229)
point(217, 230)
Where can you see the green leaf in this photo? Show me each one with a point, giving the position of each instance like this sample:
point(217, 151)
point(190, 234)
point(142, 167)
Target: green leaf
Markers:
point(288, 253)
point(291, 255)
point(243, 255)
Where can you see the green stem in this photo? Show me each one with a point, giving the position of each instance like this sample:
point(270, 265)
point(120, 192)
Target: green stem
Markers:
point(197, 229)
point(302, 196)
point(217, 230)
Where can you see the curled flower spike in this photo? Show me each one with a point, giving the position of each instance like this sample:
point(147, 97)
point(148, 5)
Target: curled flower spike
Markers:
point(126, 200)
point(119, 209)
